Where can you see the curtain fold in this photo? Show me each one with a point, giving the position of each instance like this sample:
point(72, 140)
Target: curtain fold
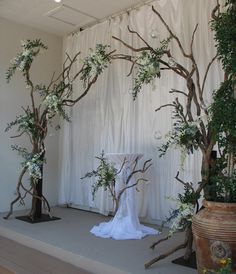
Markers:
point(108, 119)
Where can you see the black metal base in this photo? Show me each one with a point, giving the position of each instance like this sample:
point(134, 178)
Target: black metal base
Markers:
point(192, 262)
point(44, 218)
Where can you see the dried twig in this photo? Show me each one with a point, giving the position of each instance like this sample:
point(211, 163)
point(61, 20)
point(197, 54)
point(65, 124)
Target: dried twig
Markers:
point(130, 47)
point(171, 251)
point(171, 32)
point(206, 73)
point(141, 38)
point(178, 91)
point(163, 106)
point(188, 185)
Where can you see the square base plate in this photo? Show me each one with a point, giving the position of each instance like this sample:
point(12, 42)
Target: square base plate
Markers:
point(192, 262)
point(44, 218)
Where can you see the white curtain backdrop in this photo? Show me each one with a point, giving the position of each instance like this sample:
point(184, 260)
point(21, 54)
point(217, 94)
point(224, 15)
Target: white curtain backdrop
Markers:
point(108, 119)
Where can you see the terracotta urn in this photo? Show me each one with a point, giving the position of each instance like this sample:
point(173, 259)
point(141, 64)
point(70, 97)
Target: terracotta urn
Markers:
point(214, 230)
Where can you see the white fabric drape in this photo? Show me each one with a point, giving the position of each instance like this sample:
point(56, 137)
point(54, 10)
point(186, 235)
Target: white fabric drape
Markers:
point(108, 119)
point(125, 224)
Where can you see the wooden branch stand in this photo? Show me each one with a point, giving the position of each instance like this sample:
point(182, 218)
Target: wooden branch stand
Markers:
point(38, 216)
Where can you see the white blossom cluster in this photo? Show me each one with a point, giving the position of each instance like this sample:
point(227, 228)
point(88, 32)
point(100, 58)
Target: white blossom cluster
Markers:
point(53, 104)
point(25, 121)
point(34, 166)
point(21, 59)
point(184, 136)
point(95, 63)
point(105, 175)
point(184, 214)
point(24, 59)
point(105, 169)
point(148, 68)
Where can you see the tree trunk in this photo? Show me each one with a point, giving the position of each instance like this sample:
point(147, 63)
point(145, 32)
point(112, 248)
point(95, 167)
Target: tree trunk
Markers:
point(36, 210)
point(189, 248)
point(38, 202)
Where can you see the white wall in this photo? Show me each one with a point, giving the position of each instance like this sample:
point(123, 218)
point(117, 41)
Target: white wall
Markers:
point(12, 97)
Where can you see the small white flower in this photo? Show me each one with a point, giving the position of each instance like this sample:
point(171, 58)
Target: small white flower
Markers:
point(26, 52)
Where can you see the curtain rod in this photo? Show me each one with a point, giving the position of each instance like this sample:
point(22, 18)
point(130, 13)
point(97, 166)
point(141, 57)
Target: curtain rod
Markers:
point(114, 15)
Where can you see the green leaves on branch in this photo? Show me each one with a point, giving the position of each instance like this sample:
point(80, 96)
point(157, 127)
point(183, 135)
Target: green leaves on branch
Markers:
point(32, 161)
point(223, 116)
point(147, 66)
point(23, 60)
point(54, 105)
point(95, 63)
point(25, 123)
point(189, 196)
point(222, 188)
point(185, 134)
point(105, 175)
point(222, 180)
point(181, 217)
point(224, 26)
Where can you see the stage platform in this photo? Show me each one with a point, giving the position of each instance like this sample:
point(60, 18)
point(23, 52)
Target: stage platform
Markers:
point(69, 239)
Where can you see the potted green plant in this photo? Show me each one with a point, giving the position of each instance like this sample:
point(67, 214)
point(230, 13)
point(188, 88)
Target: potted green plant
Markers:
point(214, 227)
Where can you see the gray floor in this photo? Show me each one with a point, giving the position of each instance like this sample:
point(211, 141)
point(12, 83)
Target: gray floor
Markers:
point(24, 260)
point(69, 239)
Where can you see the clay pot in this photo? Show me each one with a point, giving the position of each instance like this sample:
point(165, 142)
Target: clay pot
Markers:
point(214, 230)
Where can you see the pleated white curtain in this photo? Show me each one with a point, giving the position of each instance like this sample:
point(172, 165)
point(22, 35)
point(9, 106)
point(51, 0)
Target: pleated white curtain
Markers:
point(108, 119)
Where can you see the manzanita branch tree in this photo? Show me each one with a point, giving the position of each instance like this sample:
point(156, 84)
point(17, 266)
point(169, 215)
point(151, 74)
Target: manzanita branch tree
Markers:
point(191, 131)
point(196, 126)
point(34, 122)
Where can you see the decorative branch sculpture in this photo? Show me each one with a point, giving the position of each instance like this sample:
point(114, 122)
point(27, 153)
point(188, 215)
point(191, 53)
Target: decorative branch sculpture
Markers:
point(54, 97)
point(107, 174)
point(192, 129)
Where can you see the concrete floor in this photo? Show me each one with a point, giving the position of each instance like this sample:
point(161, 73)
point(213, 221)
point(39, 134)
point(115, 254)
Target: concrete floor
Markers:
point(19, 259)
point(69, 239)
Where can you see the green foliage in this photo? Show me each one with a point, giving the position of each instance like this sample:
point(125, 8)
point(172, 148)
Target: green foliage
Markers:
point(95, 63)
point(32, 161)
point(224, 26)
point(23, 60)
point(189, 196)
point(181, 217)
point(54, 105)
point(105, 175)
point(185, 134)
point(222, 178)
point(25, 123)
point(223, 116)
point(222, 183)
point(221, 187)
point(148, 66)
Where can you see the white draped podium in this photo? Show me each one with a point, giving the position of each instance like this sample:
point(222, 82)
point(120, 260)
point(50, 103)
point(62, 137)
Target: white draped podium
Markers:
point(125, 224)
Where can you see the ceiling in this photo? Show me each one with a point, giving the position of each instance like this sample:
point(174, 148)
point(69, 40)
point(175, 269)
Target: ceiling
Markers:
point(61, 18)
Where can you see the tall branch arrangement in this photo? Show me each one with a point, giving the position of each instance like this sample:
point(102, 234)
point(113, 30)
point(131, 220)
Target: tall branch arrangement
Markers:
point(196, 126)
point(53, 98)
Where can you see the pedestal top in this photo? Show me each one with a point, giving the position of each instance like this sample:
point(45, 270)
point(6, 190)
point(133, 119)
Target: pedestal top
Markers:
point(120, 157)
